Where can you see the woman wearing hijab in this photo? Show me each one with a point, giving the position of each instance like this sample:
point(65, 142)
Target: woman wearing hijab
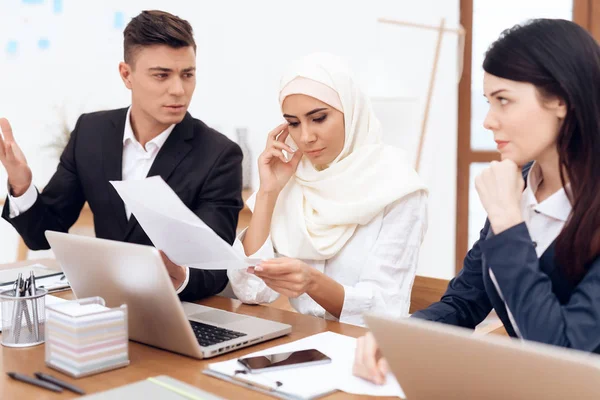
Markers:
point(339, 216)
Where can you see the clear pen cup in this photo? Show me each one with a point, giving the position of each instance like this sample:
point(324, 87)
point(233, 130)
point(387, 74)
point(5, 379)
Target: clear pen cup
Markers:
point(23, 318)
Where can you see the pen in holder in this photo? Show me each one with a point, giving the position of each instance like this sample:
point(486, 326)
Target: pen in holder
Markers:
point(23, 313)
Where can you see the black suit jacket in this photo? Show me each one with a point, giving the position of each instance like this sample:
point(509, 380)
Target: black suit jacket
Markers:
point(201, 165)
point(534, 299)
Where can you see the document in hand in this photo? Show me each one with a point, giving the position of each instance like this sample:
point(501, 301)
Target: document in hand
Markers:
point(175, 229)
point(311, 381)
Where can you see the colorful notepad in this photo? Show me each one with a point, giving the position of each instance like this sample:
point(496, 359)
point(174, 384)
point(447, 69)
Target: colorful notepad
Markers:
point(84, 337)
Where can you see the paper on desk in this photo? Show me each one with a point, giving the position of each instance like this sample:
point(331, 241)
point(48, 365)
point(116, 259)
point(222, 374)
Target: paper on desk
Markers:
point(311, 381)
point(8, 276)
point(53, 283)
point(175, 229)
point(49, 300)
point(45, 278)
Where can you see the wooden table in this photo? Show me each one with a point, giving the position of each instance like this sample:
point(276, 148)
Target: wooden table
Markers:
point(147, 361)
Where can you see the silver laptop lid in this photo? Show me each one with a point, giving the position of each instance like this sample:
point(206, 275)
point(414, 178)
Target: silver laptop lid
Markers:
point(126, 273)
point(435, 361)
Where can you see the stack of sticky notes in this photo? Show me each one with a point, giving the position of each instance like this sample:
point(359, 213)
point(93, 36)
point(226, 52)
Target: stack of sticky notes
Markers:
point(84, 337)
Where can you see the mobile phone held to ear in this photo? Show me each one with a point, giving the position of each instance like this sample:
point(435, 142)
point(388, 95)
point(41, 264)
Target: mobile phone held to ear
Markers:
point(294, 359)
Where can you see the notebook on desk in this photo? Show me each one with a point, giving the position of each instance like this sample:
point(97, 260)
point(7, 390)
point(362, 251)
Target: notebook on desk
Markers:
point(162, 387)
point(47, 278)
point(8, 276)
point(307, 382)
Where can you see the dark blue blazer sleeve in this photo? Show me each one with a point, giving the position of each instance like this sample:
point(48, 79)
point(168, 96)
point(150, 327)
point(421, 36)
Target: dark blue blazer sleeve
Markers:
point(465, 302)
point(528, 294)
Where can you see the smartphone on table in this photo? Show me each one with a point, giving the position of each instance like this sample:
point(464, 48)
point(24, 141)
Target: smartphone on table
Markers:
point(293, 359)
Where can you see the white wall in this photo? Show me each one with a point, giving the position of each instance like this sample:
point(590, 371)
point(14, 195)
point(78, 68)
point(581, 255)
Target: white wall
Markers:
point(242, 48)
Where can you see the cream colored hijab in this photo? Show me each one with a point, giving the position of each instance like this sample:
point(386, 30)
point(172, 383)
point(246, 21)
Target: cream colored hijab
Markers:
point(318, 211)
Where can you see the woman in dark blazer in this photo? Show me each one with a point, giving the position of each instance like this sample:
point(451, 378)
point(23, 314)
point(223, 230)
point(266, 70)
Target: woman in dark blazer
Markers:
point(537, 260)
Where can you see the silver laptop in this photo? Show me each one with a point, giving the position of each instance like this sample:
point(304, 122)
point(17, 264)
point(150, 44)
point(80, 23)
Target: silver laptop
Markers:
point(435, 361)
point(125, 273)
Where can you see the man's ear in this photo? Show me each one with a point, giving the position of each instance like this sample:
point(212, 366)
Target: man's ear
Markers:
point(125, 72)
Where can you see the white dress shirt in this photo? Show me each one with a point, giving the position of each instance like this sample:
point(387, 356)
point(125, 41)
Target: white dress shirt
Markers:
point(137, 161)
point(377, 266)
point(544, 221)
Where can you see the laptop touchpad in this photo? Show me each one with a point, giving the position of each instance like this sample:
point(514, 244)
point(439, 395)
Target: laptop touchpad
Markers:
point(217, 317)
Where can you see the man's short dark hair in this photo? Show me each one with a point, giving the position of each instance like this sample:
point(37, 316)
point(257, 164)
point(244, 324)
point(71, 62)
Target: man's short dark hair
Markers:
point(154, 28)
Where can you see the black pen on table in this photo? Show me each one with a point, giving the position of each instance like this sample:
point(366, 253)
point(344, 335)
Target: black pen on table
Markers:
point(33, 381)
point(58, 382)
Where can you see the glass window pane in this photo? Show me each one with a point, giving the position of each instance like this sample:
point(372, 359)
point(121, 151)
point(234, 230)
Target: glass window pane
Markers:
point(490, 18)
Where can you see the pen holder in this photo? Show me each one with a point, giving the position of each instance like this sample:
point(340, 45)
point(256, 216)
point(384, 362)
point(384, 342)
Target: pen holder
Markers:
point(23, 318)
point(81, 343)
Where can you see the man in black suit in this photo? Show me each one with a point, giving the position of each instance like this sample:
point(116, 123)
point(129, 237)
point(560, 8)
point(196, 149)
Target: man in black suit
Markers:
point(155, 136)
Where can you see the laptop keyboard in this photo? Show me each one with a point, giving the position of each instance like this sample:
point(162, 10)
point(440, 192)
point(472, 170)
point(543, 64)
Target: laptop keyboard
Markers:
point(208, 334)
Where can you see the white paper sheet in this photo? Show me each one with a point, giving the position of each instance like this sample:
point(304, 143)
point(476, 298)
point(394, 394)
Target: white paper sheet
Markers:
point(307, 382)
point(175, 229)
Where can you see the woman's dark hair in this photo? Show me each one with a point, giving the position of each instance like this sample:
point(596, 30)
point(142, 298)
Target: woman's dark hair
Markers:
point(562, 60)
